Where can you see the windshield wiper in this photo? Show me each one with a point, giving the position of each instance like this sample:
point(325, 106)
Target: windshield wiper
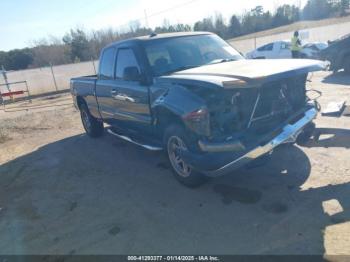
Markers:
point(219, 61)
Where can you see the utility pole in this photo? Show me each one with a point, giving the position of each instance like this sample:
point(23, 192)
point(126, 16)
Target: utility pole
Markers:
point(146, 18)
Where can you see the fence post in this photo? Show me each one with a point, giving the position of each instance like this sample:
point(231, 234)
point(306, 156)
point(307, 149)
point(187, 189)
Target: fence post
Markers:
point(6, 81)
point(28, 92)
point(93, 63)
point(254, 42)
point(53, 76)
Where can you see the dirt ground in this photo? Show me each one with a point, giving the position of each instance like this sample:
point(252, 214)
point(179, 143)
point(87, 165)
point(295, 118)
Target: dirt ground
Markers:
point(64, 193)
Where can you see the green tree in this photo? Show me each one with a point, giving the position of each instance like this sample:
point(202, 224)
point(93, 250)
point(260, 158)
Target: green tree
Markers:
point(345, 5)
point(205, 25)
point(78, 43)
point(256, 20)
point(257, 11)
point(220, 27)
point(317, 9)
point(16, 59)
point(286, 14)
point(234, 28)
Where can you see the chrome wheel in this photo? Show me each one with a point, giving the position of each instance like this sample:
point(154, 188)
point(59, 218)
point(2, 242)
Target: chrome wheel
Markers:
point(86, 120)
point(174, 144)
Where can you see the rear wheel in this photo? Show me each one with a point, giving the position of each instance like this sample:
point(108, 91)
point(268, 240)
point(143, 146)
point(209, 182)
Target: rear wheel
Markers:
point(175, 141)
point(92, 126)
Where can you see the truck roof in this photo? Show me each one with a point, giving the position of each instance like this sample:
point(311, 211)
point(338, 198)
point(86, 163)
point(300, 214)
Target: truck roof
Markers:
point(155, 36)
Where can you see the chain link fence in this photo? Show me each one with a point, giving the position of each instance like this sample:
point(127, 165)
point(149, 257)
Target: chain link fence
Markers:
point(46, 80)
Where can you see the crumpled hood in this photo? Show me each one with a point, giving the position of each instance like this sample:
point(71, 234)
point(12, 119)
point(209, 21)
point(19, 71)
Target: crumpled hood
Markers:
point(250, 71)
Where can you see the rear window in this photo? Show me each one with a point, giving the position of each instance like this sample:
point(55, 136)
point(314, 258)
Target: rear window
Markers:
point(107, 64)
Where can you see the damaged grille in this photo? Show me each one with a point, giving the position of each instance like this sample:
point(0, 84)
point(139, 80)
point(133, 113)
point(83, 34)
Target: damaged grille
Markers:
point(257, 109)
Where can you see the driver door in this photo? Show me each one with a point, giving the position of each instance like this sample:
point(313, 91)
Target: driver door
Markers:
point(130, 96)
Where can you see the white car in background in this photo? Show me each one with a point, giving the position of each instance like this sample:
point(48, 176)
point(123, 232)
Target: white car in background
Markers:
point(281, 49)
point(275, 50)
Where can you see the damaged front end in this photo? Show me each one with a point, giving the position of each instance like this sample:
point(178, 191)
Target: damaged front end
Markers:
point(222, 162)
point(243, 123)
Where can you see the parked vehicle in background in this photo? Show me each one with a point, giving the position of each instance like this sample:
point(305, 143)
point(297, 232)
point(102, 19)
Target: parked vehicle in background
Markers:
point(338, 54)
point(195, 97)
point(275, 50)
point(281, 50)
point(312, 50)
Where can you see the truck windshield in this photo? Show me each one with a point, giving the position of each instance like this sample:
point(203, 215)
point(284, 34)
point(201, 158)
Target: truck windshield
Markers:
point(170, 55)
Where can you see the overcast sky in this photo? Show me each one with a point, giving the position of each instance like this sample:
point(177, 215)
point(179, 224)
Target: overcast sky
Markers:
point(23, 21)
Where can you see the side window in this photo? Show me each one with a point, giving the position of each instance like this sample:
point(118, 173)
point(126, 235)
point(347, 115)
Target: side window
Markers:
point(107, 64)
point(285, 45)
point(267, 47)
point(126, 58)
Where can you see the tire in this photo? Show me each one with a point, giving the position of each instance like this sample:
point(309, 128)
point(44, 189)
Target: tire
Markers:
point(306, 134)
point(259, 162)
point(92, 126)
point(175, 138)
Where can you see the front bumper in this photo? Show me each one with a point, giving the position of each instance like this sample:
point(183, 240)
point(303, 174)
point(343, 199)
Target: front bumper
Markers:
point(289, 133)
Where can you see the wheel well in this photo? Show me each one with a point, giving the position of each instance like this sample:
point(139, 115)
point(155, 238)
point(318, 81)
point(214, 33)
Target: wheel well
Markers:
point(80, 101)
point(166, 118)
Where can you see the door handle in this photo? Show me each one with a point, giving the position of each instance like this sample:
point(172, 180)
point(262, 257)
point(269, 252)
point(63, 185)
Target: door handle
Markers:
point(123, 97)
point(130, 99)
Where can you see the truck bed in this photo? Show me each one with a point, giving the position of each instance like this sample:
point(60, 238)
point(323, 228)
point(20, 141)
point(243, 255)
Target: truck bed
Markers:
point(84, 86)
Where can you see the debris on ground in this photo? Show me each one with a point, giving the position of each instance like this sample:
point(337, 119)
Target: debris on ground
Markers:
point(346, 111)
point(334, 109)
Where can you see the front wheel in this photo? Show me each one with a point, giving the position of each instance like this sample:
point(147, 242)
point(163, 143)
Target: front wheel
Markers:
point(305, 136)
point(175, 140)
point(92, 126)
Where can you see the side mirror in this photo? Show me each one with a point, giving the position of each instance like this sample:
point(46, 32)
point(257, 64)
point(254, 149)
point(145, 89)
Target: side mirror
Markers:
point(131, 73)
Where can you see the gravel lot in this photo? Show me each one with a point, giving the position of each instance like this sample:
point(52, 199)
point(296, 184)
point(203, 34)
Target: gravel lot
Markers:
point(64, 193)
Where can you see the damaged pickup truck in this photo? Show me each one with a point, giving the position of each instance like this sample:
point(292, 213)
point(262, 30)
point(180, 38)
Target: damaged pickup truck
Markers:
point(195, 97)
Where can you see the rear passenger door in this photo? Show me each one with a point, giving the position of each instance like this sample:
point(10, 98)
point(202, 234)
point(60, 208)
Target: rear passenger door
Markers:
point(131, 97)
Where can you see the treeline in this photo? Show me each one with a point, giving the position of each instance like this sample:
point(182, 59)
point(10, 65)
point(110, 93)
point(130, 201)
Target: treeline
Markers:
point(80, 45)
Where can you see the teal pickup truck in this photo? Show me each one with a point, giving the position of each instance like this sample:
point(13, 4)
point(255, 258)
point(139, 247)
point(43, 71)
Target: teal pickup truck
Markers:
point(195, 97)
